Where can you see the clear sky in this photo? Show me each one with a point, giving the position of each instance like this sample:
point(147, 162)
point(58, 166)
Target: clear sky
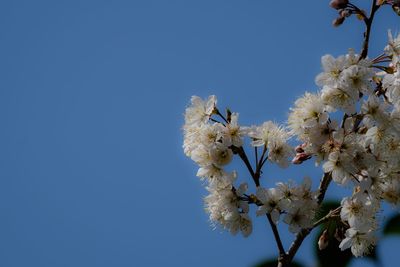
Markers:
point(92, 94)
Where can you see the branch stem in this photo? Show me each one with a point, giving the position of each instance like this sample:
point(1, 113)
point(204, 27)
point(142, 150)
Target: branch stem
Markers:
point(242, 154)
point(367, 34)
point(278, 240)
point(256, 178)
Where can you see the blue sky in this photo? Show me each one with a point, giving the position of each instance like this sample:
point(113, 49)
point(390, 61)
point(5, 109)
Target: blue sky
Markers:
point(92, 95)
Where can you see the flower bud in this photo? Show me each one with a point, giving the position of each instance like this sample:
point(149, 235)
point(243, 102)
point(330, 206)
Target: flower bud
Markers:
point(300, 148)
point(339, 4)
point(323, 240)
point(220, 154)
point(345, 13)
point(300, 158)
point(338, 21)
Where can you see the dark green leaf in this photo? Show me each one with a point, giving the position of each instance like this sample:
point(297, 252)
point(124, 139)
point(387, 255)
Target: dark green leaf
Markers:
point(326, 207)
point(332, 256)
point(274, 263)
point(392, 226)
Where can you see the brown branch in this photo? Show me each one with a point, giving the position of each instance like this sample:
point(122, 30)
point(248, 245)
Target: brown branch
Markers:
point(263, 159)
point(282, 253)
point(242, 154)
point(323, 186)
point(256, 178)
point(368, 23)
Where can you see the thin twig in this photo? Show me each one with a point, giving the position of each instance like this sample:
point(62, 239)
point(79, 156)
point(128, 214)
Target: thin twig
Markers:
point(256, 177)
point(263, 159)
point(327, 217)
point(214, 120)
point(242, 154)
point(278, 240)
point(368, 23)
point(261, 162)
point(256, 155)
point(222, 116)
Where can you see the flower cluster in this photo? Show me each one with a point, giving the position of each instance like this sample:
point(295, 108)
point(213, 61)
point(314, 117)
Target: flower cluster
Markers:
point(350, 127)
point(209, 144)
point(212, 144)
point(364, 149)
point(274, 138)
point(297, 203)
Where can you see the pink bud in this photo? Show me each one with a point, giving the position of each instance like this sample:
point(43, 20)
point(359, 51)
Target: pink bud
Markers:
point(339, 4)
point(300, 158)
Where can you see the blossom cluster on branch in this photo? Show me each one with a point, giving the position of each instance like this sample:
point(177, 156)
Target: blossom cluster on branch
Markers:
point(360, 151)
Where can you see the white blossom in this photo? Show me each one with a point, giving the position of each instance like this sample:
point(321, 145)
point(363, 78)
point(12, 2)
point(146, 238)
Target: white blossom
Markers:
point(234, 131)
point(374, 111)
point(196, 116)
point(332, 69)
point(359, 211)
point(393, 47)
point(358, 77)
point(268, 133)
point(200, 110)
point(391, 84)
point(360, 242)
point(362, 151)
point(299, 216)
point(226, 209)
point(309, 112)
point(273, 202)
point(220, 154)
point(378, 138)
point(340, 96)
point(274, 138)
point(279, 153)
point(341, 167)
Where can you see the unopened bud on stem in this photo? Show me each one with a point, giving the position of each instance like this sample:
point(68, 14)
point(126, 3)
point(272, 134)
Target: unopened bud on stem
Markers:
point(300, 158)
point(300, 148)
point(323, 240)
point(339, 4)
point(345, 13)
point(338, 21)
